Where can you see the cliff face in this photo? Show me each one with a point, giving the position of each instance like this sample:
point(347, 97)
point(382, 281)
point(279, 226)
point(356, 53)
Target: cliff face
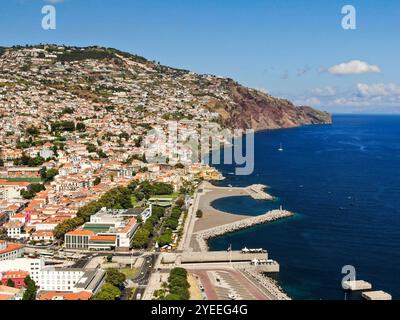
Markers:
point(259, 111)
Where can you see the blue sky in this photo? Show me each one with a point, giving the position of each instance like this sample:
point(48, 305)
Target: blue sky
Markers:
point(295, 49)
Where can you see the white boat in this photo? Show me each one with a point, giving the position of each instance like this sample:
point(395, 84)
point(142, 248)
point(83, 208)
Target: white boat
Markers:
point(280, 148)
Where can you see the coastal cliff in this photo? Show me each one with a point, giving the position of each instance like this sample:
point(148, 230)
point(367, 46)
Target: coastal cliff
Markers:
point(256, 110)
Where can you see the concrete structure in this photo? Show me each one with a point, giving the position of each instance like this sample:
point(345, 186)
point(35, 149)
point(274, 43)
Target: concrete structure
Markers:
point(57, 279)
point(14, 229)
point(10, 251)
point(17, 277)
point(71, 280)
point(212, 257)
point(376, 295)
point(33, 266)
point(203, 236)
point(357, 285)
point(8, 293)
point(107, 230)
point(11, 191)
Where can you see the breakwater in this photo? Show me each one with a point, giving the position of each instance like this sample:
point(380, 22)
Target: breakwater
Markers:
point(203, 236)
point(256, 191)
point(266, 284)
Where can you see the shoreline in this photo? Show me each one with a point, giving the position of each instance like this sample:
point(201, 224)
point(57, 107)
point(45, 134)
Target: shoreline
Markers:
point(216, 223)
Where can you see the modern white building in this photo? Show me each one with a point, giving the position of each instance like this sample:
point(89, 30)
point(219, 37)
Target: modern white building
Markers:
point(57, 279)
point(108, 229)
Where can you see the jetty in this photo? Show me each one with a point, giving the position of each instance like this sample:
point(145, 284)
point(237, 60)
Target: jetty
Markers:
point(357, 285)
point(203, 236)
point(376, 295)
point(256, 191)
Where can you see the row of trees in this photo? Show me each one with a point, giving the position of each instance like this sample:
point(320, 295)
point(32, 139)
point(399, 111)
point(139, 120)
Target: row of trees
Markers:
point(177, 287)
point(28, 161)
point(68, 126)
point(146, 231)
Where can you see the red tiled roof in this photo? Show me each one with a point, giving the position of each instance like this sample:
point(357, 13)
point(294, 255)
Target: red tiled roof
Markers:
point(11, 247)
point(83, 295)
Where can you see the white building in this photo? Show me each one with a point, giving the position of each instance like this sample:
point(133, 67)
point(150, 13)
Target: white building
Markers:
point(57, 279)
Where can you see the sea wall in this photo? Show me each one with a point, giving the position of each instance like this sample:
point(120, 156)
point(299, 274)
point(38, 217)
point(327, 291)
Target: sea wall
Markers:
point(203, 236)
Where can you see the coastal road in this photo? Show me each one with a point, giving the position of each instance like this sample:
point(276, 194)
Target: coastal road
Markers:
point(142, 279)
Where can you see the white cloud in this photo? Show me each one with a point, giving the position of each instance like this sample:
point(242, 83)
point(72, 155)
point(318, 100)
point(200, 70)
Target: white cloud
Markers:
point(379, 89)
point(324, 92)
point(379, 97)
point(353, 67)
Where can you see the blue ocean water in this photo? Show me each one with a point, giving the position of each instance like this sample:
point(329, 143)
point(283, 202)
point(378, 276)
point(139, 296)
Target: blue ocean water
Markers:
point(343, 182)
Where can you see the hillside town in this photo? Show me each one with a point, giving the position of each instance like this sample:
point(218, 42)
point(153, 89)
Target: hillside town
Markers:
point(76, 126)
point(106, 160)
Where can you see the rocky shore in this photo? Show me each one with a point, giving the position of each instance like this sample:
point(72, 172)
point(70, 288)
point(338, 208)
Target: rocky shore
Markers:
point(203, 236)
point(266, 284)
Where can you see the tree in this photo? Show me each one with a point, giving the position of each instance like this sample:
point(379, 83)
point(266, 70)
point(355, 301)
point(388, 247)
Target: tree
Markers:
point(180, 202)
point(172, 297)
point(81, 127)
point(31, 289)
point(1, 162)
point(10, 283)
point(48, 175)
point(108, 292)
point(97, 181)
point(179, 166)
point(199, 214)
point(115, 277)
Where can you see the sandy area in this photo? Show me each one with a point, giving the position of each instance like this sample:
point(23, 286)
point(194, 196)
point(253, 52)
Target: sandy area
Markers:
point(211, 216)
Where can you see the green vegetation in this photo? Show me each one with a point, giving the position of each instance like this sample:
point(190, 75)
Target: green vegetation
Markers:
point(48, 175)
point(91, 148)
point(32, 131)
point(22, 179)
point(177, 287)
point(199, 214)
point(87, 53)
point(97, 181)
point(171, 224)
point(31, 289)
point(108, 292)
point(111, 290)
point(28, 161)
point(10, 283)
point(130, 273)
point(115, 277)
point(147, 230)
point(33, 189)
point(62, 126)
point(68, 110)
point(81, 127)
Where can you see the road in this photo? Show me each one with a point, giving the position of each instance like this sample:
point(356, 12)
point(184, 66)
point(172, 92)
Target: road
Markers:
point(146, 269)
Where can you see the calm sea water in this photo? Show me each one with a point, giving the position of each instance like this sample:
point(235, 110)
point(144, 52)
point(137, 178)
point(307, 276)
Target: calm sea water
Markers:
point(343, 182)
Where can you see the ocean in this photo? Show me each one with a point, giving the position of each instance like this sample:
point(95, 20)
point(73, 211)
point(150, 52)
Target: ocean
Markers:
point(342, 180)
